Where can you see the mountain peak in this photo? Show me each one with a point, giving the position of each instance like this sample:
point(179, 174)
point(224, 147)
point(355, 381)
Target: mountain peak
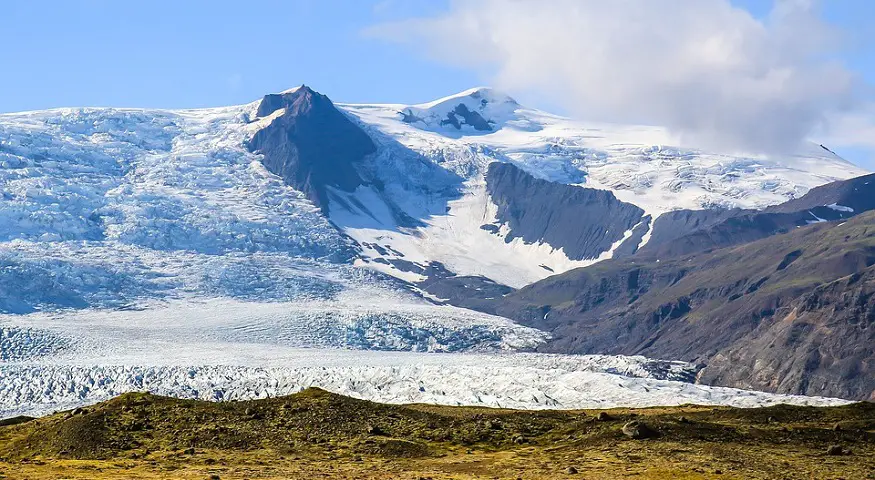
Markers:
point(481, 109)
point(309, 143)
point(481, 94)
point(301, 97)
point(295, 89)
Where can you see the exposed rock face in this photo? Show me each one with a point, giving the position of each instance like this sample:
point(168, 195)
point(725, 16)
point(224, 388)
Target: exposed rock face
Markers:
point(461, 115)
point(677, 234)
point(834, 200)
point(733, 306)
point(311, 145)
point(686, 231)
point(584, 222)
point(822, 342)
point(458, 116)
point(630, 245)
point(676, 224)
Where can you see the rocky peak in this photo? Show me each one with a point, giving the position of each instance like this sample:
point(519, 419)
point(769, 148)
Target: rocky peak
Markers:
point(298, 100)
point(312, 145)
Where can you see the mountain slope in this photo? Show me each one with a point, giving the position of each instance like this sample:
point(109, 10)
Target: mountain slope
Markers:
point(438, 204)
point(170, 211)
point(309, 143)
point(721, 304)
point(140, 246)
point(180, 196)
point(822, 341)
point(686, 231)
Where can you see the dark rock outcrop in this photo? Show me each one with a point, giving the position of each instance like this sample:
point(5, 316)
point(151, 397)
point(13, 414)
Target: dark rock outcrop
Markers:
point(821, 343)
point(631, 244)
point(731, 309)
point(857, 194)
point(687, 231)
point(722, 228)
point(673, 225)
point(461, 115)
point(584, 222)
point(311, 145)
point(638, 430)
point(466, 291)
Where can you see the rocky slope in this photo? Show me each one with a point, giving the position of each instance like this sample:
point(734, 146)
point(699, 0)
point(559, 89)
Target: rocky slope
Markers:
point(582, 222)
point(718, 307)
point(477, 185)
point(309, 143)
point(686, 231)
point(822, 341)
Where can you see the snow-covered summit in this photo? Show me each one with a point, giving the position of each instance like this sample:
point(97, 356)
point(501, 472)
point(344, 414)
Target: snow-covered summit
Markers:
point(480, 109)
point(477, 95)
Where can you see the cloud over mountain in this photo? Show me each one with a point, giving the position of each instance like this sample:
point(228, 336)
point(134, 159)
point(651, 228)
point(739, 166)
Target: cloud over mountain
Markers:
point(709, 70)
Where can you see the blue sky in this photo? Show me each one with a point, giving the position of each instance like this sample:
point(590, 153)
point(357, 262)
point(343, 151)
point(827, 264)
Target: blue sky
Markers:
point(196, 53)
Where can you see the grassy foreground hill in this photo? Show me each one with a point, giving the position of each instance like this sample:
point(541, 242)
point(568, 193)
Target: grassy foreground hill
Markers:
point(316, 434)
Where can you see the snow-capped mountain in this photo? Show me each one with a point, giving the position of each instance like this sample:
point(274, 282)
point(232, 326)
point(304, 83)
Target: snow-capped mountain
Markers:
point(433, 166)
point(192, 246)
point(102, 207)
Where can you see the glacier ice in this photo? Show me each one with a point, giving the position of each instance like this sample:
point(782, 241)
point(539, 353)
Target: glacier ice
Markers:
point(641, 165)
point(508, 381)
point(106, 207)
point(149, 249)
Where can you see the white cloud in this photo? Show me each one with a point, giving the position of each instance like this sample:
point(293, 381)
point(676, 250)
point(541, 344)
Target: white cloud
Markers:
point(709, 70)
point(856, 129)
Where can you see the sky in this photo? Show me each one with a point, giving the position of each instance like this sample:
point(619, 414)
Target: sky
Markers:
point(751, 74)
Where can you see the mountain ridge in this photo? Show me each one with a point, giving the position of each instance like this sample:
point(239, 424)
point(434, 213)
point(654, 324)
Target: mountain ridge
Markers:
point(308, 223)
point(696, 306)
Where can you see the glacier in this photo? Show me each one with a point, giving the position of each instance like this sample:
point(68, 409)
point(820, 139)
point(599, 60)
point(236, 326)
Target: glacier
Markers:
point(150, 249)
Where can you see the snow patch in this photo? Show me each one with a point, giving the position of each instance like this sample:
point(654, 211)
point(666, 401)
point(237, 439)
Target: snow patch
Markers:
point(455, 239)
point(840, 208)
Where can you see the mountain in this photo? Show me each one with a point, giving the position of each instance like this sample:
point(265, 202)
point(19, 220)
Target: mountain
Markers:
point(308, 143)
point(687, 231)
point(790, 312)
point(110, 206)
point(455, 196)
point(140, 247)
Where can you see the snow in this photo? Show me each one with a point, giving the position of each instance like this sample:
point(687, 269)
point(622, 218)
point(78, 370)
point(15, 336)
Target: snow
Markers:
point(366, 319)
point(104, 206)
point(235, 368)
point(840, 208)
point(434, 172)
point(512, 382)
point(454, 239)
point(816, 219)
point(383, 349)
point(494, 107)
point(148, 249)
